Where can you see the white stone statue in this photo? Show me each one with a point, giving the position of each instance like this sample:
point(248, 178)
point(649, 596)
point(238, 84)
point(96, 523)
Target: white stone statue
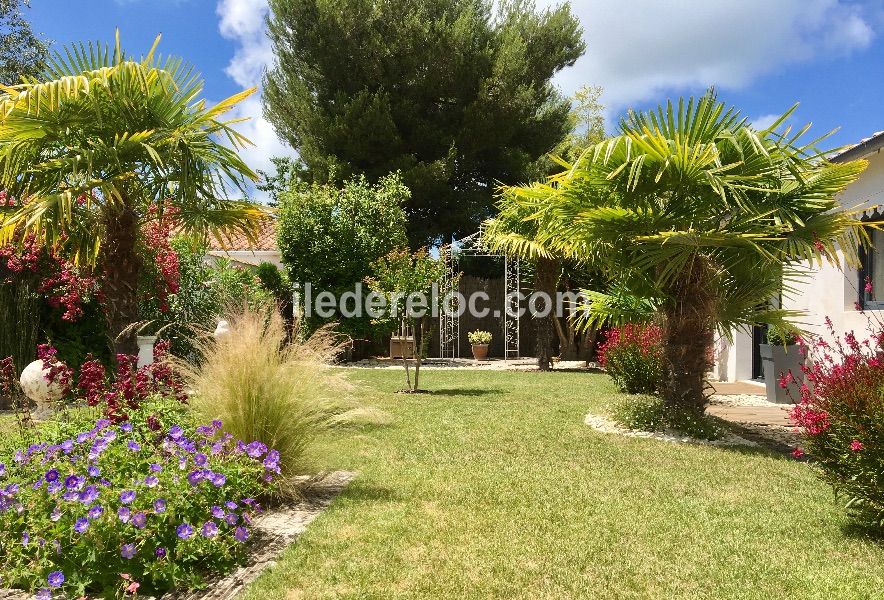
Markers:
point(37, 388)
point(223, 330)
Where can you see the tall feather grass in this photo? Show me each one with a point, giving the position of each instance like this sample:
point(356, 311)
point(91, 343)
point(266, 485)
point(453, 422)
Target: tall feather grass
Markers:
point(264, 386)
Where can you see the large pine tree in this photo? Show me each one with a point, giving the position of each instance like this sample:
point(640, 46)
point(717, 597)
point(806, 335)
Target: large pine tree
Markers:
point(454, 93)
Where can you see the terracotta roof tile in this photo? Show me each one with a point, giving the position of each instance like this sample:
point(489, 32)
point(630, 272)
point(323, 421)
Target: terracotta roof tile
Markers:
point(266, 239)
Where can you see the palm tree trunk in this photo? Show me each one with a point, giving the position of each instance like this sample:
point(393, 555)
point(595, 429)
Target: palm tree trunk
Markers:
point(546, 279)
point(122, 267)
point(688, 333)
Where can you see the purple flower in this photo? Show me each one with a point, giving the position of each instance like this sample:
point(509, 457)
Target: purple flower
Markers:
point(210, 529)
point(67, 446)
point(151, 481)
point(73, 482)
point(82, 437)
point(54, 486)
point(155, 467)
point(175, 432)
point(127, 551)
point(216, 423)
point(232, 519)
point(241, 534)
point(89, 495)
point(96, 511)
point(231, 505)
point(55, 579)
point(102, 424)
point(2, 469)
point(126, 427)
point(195, 477)
point(93, 471)
point(25, 538)
point(55, 515)
point(139, 520)
point(71, 496)
point(81, 525)
point(218, 479)
point(51, 475)
point(127, 496)
point(43, 594)
point(217, 512)
point(11, 489)
point(124, 514)
point(200, 459)
point(205, 430)
point(160, 552)
point(184, 531)
point(134, 446)
point(256, 449)
point(159, 505)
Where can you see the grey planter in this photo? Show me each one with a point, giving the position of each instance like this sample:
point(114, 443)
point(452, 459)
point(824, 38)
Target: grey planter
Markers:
point(777, 360)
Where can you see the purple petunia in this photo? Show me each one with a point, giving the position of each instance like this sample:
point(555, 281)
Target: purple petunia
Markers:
point(55, 579)
point(210, 529)
point(127, 496)
point(175, 432)
point(139, 520)
point(134, 446)
point(95, 512)
point(155, 467)
point(195, 477)
point(241, 534)
point(231, 505)
point(159, 505)
point(200, 459)
point(67, 446)
point(231, 519)
point(127, 551)
point(160, 552)
point(51, 475)
point(124, 514)
point(126, 427)
point(184, 531)
point(217, 512)
point(151, 481)
point(218, 479)
point(256, 449)
point(93, 471)
point(81, 525)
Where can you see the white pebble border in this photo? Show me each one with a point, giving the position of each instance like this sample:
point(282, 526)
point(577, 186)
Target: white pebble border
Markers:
point(741, 400)
point(608, 425)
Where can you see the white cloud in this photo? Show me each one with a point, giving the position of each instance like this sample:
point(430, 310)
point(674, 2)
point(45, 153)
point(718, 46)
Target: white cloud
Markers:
point(243, 22)
point(640, 49)
point(765, 121)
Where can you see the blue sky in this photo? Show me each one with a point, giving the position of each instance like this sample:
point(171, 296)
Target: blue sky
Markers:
point(762, 55)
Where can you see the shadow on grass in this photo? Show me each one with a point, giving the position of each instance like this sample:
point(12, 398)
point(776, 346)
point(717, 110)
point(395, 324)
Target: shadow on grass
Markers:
point(467, 392)
point(366, 492)
point(862, 528)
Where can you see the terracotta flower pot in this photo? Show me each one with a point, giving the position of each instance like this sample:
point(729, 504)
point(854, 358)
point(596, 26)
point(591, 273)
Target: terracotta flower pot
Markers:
point(480, 351)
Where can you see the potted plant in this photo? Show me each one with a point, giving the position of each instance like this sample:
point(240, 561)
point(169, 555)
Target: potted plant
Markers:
point(479, 340)
point(780, 356)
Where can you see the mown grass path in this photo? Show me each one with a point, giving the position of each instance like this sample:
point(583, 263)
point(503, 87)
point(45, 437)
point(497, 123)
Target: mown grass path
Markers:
point(492, 487)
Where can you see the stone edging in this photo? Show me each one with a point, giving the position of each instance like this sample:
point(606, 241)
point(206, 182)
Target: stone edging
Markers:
point(273, 532)
point(608, 425)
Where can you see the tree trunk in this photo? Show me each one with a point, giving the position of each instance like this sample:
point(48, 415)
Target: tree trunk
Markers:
point(546, 279)
point(421, 337)
point(688, 333)
point(122, 267)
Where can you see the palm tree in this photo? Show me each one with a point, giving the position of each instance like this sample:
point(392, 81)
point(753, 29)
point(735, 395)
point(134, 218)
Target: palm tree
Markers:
point(99, 139)
point(698, 219)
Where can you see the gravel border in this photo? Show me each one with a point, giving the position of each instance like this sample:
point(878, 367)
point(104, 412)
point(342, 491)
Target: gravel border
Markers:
point(608, 425)
point(273, 532)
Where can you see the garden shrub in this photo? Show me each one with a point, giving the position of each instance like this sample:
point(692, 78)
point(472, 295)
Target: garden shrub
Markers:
point(841, 415)
point(648, 413)
point(633, 357)
point(153, 503)
point(266, 389)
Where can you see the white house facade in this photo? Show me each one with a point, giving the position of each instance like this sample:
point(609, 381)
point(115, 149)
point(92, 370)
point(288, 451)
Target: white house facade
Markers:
point(833, 291)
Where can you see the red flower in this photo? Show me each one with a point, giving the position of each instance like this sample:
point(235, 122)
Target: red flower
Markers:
point(797, 452)
point(856, 445)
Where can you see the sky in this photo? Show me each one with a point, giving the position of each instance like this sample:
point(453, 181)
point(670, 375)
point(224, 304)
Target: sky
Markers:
point(762, 55)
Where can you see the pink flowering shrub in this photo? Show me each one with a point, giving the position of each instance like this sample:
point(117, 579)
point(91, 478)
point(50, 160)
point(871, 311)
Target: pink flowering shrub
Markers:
point(840, 412)
point(633, 357)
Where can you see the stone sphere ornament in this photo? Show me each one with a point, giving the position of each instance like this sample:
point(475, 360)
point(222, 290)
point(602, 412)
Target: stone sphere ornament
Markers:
point(36, 387)
point(222, 331)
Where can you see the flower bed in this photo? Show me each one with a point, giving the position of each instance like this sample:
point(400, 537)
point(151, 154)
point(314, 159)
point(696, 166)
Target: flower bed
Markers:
point(152, 503)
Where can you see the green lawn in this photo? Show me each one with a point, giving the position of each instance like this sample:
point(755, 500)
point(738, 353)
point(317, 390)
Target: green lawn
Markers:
point(492, 487)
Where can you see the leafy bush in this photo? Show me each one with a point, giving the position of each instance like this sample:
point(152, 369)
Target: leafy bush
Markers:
point(633, 356)
point(479, 337)
point(265, 389)
point(155, 502)
point(841, 415)
point(780, 336)
point(649, 413)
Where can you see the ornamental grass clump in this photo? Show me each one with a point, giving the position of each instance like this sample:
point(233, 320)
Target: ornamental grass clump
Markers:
point(840, 412)
point(265, 386)
point(144, 506)
point(633, 357)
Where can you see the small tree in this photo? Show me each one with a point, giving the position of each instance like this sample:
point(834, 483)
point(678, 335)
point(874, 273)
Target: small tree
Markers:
point(412, 286)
